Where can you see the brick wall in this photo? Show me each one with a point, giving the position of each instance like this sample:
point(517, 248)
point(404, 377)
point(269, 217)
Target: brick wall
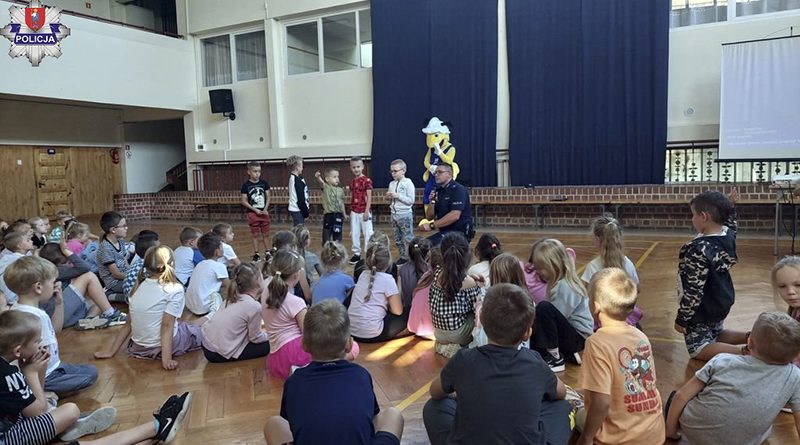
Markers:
point(642, 205)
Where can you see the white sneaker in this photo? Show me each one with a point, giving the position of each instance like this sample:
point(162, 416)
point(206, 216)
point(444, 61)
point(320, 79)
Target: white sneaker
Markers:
point(99, 420)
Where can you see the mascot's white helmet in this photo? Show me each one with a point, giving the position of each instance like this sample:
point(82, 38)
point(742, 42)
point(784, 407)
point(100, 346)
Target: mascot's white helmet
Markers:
point(436, 126)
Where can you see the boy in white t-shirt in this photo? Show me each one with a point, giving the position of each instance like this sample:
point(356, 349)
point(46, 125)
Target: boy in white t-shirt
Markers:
point(225, 233)
point(209, 279)
point(184, 255)
point(33, 280)
point(18, 245)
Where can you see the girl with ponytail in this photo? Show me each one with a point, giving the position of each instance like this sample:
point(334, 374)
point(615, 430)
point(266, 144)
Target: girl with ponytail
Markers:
point(607, 233)
point(234, 331)
point(333, 283)
point(284, 314)
point(409, 273)
point(376, 310)
point(453, 296)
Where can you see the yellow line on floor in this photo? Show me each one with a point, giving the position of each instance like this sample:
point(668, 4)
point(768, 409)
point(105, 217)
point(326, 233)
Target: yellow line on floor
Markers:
point(413, 397)
point(647, 253)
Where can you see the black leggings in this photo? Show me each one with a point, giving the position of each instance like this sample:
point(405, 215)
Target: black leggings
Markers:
point(552, 330)
point(393, 325)
point(252, 350)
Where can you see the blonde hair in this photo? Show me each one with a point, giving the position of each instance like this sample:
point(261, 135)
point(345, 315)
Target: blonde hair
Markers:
point(35, 220)
point(76, 229)
point(379, 237)
point(243, 278)
point(284, 264)
point(609, 232)
point(776, 337)
point(400, 162)
point(293, 160)
point(302, 234)
point(26, 271)
point(613, 292)
point(792, 261)
point(12, 240)
point(332, 256)
point(550, 256)
point(222, 229)
point(159, 263)
point(505, 268)
point(326, 330)
point(377, 260)
point(18, 328)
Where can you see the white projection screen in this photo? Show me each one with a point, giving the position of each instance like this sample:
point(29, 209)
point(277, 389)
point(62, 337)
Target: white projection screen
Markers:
point(760, 100)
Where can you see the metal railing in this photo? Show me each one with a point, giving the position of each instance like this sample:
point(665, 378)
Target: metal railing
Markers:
point(697, 162)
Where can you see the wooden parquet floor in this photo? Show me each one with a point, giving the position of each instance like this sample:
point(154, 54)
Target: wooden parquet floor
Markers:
point(232, 401)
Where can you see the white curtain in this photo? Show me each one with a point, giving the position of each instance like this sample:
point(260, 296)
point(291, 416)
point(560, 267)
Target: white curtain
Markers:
point(251, 56)
point(217, 61)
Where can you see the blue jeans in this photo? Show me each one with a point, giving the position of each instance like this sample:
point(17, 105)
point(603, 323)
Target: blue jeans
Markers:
point(403, 228)
point(440, 416)
point(70, 378)
point(297, 218)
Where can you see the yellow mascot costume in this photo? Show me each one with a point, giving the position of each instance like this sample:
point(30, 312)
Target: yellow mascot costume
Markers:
point(440, 151)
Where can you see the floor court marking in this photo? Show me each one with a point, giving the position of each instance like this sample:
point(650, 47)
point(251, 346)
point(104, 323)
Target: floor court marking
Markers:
point(413, 397)
point(647, 253)
point(425, 388)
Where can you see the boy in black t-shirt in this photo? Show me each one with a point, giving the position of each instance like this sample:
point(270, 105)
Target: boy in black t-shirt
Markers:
point(24, 415)
point(331, 400)
point(255, 198)
point(504, 394)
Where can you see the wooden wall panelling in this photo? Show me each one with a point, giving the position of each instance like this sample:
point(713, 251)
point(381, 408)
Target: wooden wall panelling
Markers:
point(17, 182)
point(95, 179)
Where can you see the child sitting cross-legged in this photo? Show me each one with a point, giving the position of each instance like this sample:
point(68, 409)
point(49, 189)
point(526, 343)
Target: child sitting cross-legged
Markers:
point(284, 315)
point(623, 405)
point(209, 279)
point(736, 398)
point(499, 393)
point(85, 304)
point(17, 246)
point(34, 280)
point(142, 241)
point(156, 305)
point(26, 419)
point(234, 332)
point(331, 400)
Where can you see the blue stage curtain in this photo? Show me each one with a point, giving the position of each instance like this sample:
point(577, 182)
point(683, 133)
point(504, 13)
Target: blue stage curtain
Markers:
point(434, 58)
point(588, 91)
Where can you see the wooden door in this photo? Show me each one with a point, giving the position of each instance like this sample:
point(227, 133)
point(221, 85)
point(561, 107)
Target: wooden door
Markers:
point(18, 182)
point(95, 180)
point(53, 185)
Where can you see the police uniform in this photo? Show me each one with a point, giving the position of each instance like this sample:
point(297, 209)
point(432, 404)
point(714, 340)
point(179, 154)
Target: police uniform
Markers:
point(453, 196)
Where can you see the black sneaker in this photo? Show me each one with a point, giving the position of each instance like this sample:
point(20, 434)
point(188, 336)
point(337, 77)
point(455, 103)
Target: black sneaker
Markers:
point(354, 259)
point(256, 258)
point(555, 364)
point(170, 416)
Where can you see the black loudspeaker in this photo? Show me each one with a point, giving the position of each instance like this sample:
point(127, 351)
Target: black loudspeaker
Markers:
point(221, 101)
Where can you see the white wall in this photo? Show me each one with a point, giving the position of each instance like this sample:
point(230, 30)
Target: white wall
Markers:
point(285, 8)
point(109, 64)
point(694, 69)
point(32, 123)
point(155, 147)
point(208, 15)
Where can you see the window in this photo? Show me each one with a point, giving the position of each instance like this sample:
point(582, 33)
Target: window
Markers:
point(247, 51)
point(251, 56)
point(332, 43)
point(302, 48)
point(217, 61)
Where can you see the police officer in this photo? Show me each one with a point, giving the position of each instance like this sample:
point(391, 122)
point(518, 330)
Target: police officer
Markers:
point(450, 210)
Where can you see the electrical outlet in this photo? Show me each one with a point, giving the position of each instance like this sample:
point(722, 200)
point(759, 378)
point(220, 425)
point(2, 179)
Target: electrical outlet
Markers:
point(88, 5)
point(19, 161)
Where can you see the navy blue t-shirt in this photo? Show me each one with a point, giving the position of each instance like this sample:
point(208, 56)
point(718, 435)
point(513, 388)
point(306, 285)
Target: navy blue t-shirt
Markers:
point(453, 196)
point(500, 393)
point(330, 402)
point(15, 395)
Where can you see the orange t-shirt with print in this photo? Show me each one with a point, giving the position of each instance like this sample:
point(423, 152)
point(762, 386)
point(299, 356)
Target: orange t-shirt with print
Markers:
point(618, 361)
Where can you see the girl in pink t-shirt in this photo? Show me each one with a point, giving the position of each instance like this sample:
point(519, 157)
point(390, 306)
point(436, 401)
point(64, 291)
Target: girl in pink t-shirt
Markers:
point(77, 235)
point(786, 283)
point(283, 313)
point(376, 308)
